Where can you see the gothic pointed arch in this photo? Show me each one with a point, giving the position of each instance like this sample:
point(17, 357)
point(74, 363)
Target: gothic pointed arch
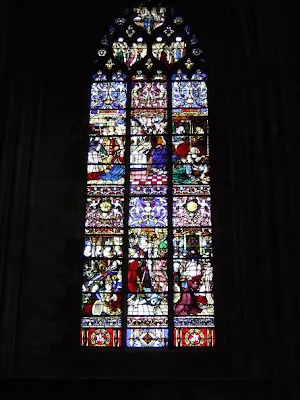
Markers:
point(147, 273)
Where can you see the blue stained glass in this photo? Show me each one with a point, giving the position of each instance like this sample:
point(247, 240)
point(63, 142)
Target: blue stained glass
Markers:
point(147, 337)
point(149, 151)
point(189, 94)
point(205, 321)
point(148, 212)
point(137, 200)
point(119, 76)
point(149, 19)
point(187, 30)
point(179, 76)
point(194, 40)
point(199, 75)
point(108, 95)
point(100, 76)
point(102, 288)
point(101, 322)
point(104, 41)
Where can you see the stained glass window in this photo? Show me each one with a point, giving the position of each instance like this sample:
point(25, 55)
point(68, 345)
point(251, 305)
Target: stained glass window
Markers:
point(147, 270)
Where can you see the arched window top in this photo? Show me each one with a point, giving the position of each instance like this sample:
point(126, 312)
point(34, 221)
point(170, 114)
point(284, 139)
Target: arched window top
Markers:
point(149, 42)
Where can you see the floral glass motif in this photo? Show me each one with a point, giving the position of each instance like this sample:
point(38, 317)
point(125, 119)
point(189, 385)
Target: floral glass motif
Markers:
point(130, 31)
point(168, 31)
point(192, 94)
point(110, 95)
point(109, 64)
point(147, 275)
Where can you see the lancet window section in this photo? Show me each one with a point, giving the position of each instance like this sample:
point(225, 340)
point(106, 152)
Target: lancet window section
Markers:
point(147, 274)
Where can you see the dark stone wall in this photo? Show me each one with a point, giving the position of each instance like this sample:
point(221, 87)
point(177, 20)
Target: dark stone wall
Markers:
point(47, 58)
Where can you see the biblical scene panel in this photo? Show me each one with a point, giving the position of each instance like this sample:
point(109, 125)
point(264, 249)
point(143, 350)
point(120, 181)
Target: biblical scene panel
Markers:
point(108, 122)
point(149, 95)
point(169, 54)
point(149, 19)
point(148, 122)
point(129, 54)
point(148, 148)
point(148, 160)
point(108, 95)
point(147, 288)
point(192, 242)
point(191, 211)
point(148, 243)
point(148, 280)
point(186, 127)
point(106, 160)
point(189, 166)
point(102, 287)
point(106, 153)
point(191, 129)
point(196, 76)
point(103, 244)
point(137, 305)
point(104, 211)
point(148, 212)
point(193, 287)
point(190, 150)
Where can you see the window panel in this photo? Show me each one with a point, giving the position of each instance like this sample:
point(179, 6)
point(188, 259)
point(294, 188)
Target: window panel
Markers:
point(148, 251)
